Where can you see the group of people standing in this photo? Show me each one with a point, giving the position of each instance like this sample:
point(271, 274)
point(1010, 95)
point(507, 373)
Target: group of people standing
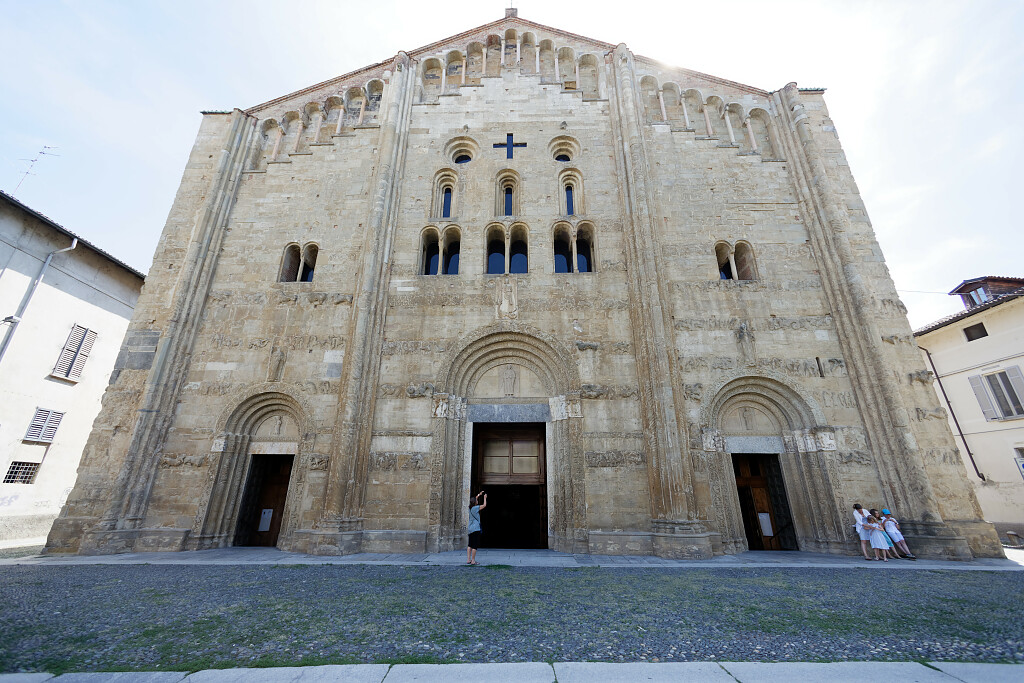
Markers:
point(881, 532)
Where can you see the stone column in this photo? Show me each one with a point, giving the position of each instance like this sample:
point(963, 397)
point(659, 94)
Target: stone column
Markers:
point(519, 50)
point(750, 135)
point(536, 56)
point(341, 120)
point(318, 122)
point(444, 77)
point(483, 71)
point(277, 143)
point(576, 73)
point(707, 120)
point(558, 76)
point(340, 523)
point(676, 526)
point(120, 527)
point(728, 126)
point(362, 107)
point(298, 134)
point(503, 52)
point(686, 114)
point(661, 103)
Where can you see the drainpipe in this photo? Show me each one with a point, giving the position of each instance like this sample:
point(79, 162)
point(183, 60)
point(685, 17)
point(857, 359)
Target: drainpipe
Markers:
point(959, 431)
point(13, 320)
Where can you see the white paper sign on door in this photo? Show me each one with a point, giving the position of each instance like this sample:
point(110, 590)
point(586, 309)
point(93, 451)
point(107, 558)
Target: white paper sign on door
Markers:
point(265, 517)
point(766, 523)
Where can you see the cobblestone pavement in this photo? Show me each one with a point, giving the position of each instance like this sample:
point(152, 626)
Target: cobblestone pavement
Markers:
point(189, 617)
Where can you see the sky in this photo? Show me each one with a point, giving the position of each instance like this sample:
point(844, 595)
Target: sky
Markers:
point(927, 97)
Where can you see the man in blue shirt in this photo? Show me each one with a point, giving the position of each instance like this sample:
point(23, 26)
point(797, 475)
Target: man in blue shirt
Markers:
point(474, 527)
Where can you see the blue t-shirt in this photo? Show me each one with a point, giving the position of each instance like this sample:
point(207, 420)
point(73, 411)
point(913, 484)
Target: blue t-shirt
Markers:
point(474, 518)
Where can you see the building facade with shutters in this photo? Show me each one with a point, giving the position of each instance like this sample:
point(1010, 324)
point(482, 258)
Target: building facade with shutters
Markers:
point(977, 357)
point(642, 307)
point(65, 311)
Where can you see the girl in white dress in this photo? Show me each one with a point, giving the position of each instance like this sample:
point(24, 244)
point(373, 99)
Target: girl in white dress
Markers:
point(892, 527)
point(878, 540)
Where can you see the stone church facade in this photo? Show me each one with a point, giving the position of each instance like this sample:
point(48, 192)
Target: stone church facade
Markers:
point(642, 307)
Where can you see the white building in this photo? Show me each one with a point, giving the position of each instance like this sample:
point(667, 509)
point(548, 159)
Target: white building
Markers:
point(65, 305)
point(977, 356)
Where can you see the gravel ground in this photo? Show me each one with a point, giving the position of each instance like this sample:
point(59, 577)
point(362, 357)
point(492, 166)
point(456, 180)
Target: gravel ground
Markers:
point(94, 617)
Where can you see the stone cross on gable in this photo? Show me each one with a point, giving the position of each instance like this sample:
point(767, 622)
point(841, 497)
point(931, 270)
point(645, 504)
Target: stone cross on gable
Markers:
point(509, 145)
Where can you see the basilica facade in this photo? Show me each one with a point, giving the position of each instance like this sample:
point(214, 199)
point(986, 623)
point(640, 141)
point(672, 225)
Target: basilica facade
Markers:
point(642, 307)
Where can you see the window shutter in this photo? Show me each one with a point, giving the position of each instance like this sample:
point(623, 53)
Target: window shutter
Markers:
point(1016, 381)
point(50, 430)
point(35, 429)
point(44, 425)
point(67, 355)
point(983, 399)
point(83, 354)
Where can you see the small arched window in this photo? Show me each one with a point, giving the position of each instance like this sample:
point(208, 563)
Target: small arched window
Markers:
point(570, 206)
point(446, 203)
point(290, 264)
point(506, 201)
point(584, 262)
point(463, 159)
point(496, 253)
point(723, 256)
point(563, 252)
point(518, 254)
point(308, 263)
point(745, 267)
point(431, 253)
point(450, 253)
point(562, 157)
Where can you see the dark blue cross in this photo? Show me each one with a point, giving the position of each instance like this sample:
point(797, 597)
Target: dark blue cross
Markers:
point(508, 145)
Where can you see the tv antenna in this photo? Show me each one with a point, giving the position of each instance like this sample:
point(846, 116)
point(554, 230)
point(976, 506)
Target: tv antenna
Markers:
point(32, 162)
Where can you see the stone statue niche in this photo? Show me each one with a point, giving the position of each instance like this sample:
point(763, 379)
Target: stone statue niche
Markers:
point(507, 381)
point(279, 427)
point(750, 419)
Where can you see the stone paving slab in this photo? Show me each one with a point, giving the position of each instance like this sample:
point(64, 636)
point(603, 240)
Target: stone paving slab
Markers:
point(526, 672)
point(123, 677)
point(982, 673)
point(835, 672)
point(668, 672)
point(522, 558)
point(350, 673)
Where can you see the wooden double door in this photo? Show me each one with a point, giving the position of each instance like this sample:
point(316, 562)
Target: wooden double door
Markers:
point(764, 506)
point(509, 465)
point(266, 491)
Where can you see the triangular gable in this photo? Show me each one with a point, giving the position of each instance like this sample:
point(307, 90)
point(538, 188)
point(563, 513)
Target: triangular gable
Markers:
point(360, 77)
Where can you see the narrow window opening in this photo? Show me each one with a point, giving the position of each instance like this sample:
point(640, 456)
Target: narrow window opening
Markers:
point(821, 368)
point(446, 203)
point(570, 209)
point(308, 264)
point(290, 265)
point(975, 332)
point(496, 257)
point(583, 255)
point(451, 258)
point(562, 157)
point(563, 254)
point(508, 201)
point(463, 159)
point(430, 256)
point(725, 270)
point(518, 260)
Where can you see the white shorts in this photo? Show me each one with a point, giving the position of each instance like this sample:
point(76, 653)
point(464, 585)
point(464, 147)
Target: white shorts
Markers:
point(865, 534)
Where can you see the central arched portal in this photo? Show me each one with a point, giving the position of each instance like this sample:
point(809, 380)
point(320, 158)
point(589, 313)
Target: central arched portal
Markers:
point(507, 421)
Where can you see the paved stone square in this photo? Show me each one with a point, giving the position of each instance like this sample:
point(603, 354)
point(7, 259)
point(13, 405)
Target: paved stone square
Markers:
point(60, 617)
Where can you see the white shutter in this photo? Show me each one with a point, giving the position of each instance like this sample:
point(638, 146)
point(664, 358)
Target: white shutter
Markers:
point(67, 355)
point(1017, 382)
point(50, 430)
point(83, 354)
point(986, 403)
point(44, 425)
point(35, 428)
